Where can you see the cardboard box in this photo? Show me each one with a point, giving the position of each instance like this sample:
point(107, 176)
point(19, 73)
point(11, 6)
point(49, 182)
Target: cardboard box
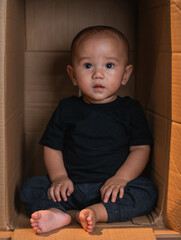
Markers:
point(34, 50)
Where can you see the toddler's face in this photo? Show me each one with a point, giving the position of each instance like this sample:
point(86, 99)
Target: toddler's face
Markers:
point(100, 67)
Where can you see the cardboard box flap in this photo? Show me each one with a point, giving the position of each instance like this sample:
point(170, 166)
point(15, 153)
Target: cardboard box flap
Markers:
point(78, 233)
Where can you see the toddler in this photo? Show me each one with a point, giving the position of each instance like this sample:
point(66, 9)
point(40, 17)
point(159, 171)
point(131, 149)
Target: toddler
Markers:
point(95, 146)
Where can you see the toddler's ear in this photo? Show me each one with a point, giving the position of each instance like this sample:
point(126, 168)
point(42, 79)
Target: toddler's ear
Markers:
point(127, 74)
point(70, 71)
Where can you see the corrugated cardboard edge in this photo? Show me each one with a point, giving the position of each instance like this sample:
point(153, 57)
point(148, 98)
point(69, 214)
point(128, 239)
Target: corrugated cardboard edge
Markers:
point(172, 218)
point(3, 5)
point(79, 233)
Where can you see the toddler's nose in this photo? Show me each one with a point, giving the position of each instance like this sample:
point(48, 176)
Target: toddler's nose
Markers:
point(98, 74)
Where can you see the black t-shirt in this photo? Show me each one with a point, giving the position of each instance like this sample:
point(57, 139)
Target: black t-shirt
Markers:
point(95, 138)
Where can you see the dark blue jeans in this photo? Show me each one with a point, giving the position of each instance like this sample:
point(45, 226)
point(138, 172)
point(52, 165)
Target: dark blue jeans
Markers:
point(139, 198)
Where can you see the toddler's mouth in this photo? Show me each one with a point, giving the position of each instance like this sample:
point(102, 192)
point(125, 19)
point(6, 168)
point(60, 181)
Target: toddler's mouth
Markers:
point(98, 87)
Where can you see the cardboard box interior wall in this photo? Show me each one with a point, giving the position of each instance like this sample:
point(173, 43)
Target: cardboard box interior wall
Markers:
point(34, 50)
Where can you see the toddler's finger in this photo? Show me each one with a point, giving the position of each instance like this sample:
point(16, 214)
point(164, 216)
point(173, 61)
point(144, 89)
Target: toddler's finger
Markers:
point(51, 193)
point(57, 193)
point(70, 189)
point(121, 192)
point(107, 194)
point(63, 191)
point(103, 190)
point(114, 194)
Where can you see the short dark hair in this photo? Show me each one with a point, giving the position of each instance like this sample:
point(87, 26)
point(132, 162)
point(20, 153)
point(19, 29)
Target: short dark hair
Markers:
point(98, 29)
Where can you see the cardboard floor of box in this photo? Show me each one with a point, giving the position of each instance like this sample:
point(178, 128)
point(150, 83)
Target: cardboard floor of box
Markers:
point(78, 233)
point(139, 228)
point(149, 220)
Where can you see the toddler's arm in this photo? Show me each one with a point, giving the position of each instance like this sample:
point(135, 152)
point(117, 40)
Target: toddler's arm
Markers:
point(132, 168)
point(57, 174)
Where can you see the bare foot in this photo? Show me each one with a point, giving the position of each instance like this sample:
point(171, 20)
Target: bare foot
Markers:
point(87, 219)
point(47, 220)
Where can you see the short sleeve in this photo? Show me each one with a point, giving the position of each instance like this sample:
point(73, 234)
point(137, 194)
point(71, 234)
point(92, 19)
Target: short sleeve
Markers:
point(53, 135)
point(139, 130)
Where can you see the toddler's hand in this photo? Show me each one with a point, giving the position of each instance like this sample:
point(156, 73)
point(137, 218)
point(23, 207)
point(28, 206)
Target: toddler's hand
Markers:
point(113, 186)
point(63, 186)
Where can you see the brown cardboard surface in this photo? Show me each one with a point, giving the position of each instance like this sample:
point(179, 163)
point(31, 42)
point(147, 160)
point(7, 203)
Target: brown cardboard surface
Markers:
point(176, 87)
point(172, 216)
point(33, 167)
point(46, 82)
point(77, 234)
point(153, 78)
point(63, 15)
point(153, 85)
point(153, 30)
point(14, 104)
point(176, 58)
point(175, 25)
point(2, 116)
point(160, 128)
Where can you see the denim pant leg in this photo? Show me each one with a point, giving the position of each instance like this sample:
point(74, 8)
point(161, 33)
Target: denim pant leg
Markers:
point(139, 199)
point(85, 194)
point(34, 195)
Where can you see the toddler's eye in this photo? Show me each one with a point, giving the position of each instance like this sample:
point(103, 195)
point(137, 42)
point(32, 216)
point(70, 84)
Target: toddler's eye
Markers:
point(88, 65)
point(109, 65)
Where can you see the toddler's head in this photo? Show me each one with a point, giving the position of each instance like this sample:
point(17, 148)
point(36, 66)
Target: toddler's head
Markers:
point(98, 31)
point(99, 63)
